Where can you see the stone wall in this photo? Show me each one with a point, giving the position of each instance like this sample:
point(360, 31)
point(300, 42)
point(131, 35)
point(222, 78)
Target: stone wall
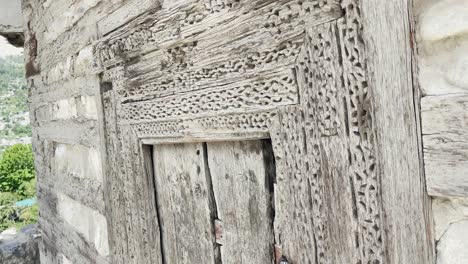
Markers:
point(66, 117)
point(443, 77)
point(20, 247)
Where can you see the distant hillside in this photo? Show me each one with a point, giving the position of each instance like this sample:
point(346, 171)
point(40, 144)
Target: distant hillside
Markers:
point(14, 117)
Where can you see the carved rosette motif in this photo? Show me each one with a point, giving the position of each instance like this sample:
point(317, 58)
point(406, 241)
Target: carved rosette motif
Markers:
point(292, 70)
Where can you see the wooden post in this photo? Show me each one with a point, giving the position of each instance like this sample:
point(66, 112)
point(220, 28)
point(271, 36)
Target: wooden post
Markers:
point(406, 206)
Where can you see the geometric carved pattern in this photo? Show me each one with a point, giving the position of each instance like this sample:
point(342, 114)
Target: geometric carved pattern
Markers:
point(174, 80)
point(290, 68)
point(362, 140)
point(246, 122)
point(238, 98)
point(299, 133)
point(331, 120)
point(186, 81)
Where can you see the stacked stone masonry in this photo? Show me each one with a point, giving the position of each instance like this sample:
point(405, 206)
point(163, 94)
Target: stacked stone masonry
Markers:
point(442, 28)
point(65, 112)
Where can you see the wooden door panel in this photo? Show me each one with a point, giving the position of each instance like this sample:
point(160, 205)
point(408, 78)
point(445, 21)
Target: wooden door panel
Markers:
point(183, 204)
point(199, 184)
point(241, 184)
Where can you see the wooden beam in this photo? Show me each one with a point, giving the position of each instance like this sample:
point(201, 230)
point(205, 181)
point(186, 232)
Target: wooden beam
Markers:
point(445, 135)
point(405, 203)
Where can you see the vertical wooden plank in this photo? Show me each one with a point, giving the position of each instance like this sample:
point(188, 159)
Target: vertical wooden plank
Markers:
point(183, 204)
point(341, 216)
point(242, 174)
point(113, 193)
point(129, 192)
point(405, 203)
point(297, 192)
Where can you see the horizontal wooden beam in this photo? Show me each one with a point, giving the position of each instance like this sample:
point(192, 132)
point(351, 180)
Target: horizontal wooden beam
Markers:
point(445, 139)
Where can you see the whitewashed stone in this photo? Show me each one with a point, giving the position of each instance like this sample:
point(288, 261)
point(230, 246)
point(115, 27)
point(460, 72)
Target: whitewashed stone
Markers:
point(453, 246)
point(445, 19)
point(457, 72)
point(443, 67)
point(87, 107)
point(88, 222)
point(84, 61)
point(60, 71)
point(65, 109)
point(70, 108)
point(433, 80)
point(448, 211)
point(78, 161)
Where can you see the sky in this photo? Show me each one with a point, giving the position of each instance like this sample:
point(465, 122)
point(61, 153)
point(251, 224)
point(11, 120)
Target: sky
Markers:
point(7, 49)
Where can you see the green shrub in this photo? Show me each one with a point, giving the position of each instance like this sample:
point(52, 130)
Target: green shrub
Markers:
point(7, 217)
point(27, 189)
point(16, 167)
point(7, 198)
point(29, 215)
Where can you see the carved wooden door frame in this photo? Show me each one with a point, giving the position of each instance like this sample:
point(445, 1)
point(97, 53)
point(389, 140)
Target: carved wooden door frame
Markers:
point(315, 83)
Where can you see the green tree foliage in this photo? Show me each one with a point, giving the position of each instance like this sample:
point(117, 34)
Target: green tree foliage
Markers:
point(17, 182)
point(12, 73)
point(17, 177)
point(16, 169)
point(13, 97)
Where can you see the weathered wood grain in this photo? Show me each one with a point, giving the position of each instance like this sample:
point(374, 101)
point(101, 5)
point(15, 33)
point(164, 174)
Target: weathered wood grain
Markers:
point(184, 212)
point(192, 21)
point(332, 98)
point(126, 11)
point(241, 174)
point(406, 227)
point(445, 139)
point(129, 192)
point(318, 180)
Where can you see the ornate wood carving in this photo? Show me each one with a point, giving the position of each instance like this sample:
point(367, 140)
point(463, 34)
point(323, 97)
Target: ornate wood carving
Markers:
point(294, 71)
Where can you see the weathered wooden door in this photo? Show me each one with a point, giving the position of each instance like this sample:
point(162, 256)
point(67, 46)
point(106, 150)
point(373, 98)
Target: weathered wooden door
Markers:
point(226, 187)
point(214, 109)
